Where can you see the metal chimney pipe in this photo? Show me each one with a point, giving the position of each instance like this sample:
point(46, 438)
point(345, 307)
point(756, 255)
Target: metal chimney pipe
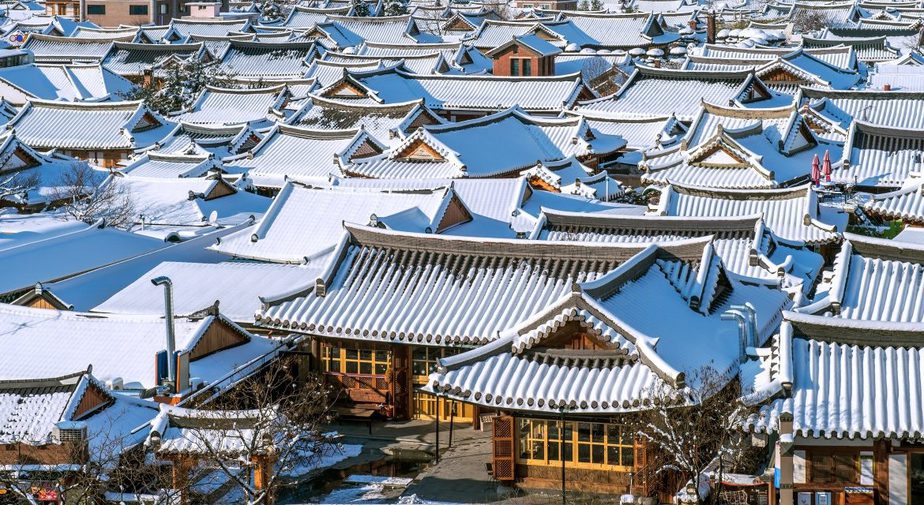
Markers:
point(752, 317)
point(171, 331)
point(743, 331)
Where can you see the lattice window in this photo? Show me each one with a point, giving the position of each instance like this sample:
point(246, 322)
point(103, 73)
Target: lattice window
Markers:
point(355, 361)
point(503, 454)
point(591, 445)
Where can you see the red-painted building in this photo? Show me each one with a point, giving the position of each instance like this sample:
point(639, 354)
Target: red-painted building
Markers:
point(528, 55)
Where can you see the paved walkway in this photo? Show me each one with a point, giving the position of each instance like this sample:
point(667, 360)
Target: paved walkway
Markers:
point(460, 475)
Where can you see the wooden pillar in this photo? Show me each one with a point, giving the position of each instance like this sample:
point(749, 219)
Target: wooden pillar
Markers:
point(316, 354)
point(263, 475)
point(786, 461)
point(639, 484)
point(180, 475)
point(881, 449)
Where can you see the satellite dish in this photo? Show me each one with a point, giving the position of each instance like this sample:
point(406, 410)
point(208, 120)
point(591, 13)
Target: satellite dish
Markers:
point(213, 217)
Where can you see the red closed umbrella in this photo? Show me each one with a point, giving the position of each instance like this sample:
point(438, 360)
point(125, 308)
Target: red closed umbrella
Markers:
point(826, 167)
point(816, 172)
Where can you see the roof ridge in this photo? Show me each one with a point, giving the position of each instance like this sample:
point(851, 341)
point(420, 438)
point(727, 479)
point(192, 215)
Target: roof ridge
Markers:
point(516, 248)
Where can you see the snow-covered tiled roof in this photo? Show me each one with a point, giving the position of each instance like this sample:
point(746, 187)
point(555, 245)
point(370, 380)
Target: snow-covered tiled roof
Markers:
point(235, 286)
point(307, 17)
point(874, 280)
point(517, 371)
point(43, 343)
point(387, 123)
point(52, 49)
point(639, 132)
point(208, 27)
point(895, 109)
point(467, 92)
point(906, 203)
point(880, 156)
point(839, 56)
point(90, 126)
point(222, 106)
point(869, 49)
point(615, 31)
point(131, 59)
point(497, 282)
point(651, 91)
point(289, 152)
point(791, 214)
point(111, 34)
point(269, 60)
point(544, 382)
point(189, 139)
point(44, 177)
point(306, 222)
point(155, 164)
point(502, 143)
point(349, 31)
point(738, 149)
point(30, 409)
point(864, 381)
point(70, 253)
point(85, 291)
point(65, 82)
point(743, 243)
point(190, 201)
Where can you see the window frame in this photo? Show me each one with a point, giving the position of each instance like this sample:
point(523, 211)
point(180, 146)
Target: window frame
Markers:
point(535, 433)
point(340, 360)
point(139, 6)
point(102, 8)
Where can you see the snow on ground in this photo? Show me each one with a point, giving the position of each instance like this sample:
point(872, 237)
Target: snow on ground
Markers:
point(332, 454)
point(369, 489)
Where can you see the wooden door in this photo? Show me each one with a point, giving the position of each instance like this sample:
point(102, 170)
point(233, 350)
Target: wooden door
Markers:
point(504, 449)
point(400, 386)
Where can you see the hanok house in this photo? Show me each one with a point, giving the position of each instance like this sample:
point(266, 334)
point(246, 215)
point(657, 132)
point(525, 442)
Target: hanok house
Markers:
point(365, 313)
point(561, 379)
point(737, 148)
point(674, 89)
point(527, 55)
point(460, 97)
point(129, 351)
point(791, 214)
point(747, 248)
point(104, 134)
point(879, 158)
point(839, 403)
point(498, 145)
point(302, 154)
point(53, 426)
point(40, 177)
point(185, 436)
point(905, 205)
point(137, 62)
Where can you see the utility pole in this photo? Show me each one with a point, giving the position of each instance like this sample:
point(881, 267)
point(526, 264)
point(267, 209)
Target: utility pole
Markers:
point(561, 453)
point(438, 429)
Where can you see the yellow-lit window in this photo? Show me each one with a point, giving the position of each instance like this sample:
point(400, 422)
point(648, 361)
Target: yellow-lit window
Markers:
point(591, 445)
point(355, 361)
point(330, 356)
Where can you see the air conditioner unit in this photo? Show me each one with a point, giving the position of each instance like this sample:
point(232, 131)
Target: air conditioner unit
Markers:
point(70, 431)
